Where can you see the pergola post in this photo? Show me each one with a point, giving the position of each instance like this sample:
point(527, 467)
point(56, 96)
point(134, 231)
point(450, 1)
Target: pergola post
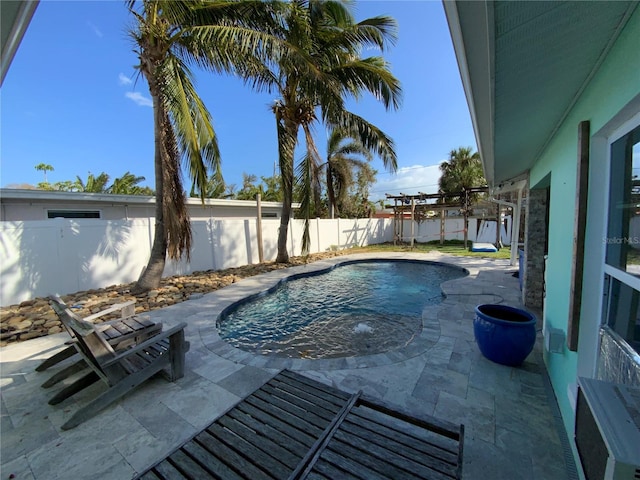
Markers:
point(498, 227)
point(413, 211)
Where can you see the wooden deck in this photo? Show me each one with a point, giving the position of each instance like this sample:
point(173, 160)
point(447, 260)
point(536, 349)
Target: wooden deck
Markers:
point(294, 428)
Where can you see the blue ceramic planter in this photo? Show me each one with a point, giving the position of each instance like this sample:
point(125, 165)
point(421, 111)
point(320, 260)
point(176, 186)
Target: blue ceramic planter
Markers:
point(504, 334)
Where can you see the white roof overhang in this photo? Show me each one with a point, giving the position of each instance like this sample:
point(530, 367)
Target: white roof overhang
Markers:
point(45, 196)
point(15, 16)
point(523, 67)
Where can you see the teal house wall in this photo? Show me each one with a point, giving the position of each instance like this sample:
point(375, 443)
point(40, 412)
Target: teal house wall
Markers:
point(614, 86)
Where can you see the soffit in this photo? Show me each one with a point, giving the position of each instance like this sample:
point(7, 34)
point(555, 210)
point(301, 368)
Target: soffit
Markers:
point(527, 63)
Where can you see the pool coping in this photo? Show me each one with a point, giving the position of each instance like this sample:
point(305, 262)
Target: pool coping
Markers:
point(223, 299)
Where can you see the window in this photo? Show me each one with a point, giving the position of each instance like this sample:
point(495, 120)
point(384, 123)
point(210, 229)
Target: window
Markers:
point(623, 311)
point(623, 232)
point(622, 241)
point(73, 213)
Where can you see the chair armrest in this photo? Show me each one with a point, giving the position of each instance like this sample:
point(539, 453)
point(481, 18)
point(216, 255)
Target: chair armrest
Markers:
point(141, 346)
point(127, 308)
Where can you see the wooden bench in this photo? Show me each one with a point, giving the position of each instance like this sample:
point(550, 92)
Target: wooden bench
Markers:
point(294, 427)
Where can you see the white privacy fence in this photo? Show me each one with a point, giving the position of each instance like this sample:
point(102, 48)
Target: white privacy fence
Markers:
point(65, 256)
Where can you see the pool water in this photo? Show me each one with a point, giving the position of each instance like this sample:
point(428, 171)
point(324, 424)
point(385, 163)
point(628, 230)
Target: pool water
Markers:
point(356, 308)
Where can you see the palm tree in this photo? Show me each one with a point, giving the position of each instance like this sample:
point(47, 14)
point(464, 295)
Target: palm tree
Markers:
point(249, 188)
point(462, 171)
point(169, 36)
point(127, 184)
point(44, 168)
point(93, 185)
point(215, 188)
point(313, 83)
point(343, 154)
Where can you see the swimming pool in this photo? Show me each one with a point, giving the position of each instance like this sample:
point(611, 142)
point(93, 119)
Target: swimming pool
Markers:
point(355, 308)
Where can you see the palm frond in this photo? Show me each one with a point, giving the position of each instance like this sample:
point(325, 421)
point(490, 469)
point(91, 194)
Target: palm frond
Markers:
point(192, 123)
point(372, 75)
point(373, 139)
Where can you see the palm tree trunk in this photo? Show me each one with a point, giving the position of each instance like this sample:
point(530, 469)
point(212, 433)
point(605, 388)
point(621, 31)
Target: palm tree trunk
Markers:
point(152, 274)
point(287, 136)
point(317, 192)
point(331, 195)
point(283, 254)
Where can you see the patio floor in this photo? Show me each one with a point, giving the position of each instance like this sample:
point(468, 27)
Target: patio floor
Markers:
point(511, 431)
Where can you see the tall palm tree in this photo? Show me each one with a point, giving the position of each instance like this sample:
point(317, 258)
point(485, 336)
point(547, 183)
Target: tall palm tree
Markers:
point(344, 155)
point(313, 84)
point(44, 168)
point(462, 171)
point(169, 36)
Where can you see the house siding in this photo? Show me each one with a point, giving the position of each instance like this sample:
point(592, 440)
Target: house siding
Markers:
point(615, 85)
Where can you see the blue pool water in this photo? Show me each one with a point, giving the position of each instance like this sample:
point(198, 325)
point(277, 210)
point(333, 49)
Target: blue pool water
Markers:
point(357, 308)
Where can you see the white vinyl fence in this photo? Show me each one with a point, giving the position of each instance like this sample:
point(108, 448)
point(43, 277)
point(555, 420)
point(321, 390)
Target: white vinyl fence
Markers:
point(65, 256)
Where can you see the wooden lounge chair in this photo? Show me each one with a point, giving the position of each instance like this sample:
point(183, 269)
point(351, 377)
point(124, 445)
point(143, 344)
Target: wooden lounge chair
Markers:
point(121, 371)
point(121, 333)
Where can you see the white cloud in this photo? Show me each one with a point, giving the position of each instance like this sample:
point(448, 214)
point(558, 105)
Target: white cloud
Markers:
point(95, 29)
point(124, 80)
point(409, 180)
point(140, 99)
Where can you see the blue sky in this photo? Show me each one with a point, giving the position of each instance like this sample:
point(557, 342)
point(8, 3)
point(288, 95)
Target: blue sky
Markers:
point(72, 99)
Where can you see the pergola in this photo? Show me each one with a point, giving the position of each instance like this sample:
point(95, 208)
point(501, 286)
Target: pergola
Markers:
point(419, 204)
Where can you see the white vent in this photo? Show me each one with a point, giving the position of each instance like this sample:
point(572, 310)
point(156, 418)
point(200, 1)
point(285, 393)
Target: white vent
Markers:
point(553, 339)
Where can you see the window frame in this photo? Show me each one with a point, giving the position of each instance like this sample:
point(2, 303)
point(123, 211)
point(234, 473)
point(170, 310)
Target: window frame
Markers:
point(610, 272)
point(68, 213)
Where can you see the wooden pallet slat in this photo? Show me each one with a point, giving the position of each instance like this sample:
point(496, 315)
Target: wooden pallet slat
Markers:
point(167, 471)
point(262, 443)
point(437, 446)
point(292, 445)
point(210, 462)
point(279, 424)
point(321, 390)
point(293, 420)
point(352, 468)
point(234, 460)
point(259, 458)
point(305, 395)
point(376, 420)
point(384, 460)
point(298, 428)
point(187, 466)
point(325, 469)
point(301, 402)
point(418, 452)
point(306, 415)
point(306, 464)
